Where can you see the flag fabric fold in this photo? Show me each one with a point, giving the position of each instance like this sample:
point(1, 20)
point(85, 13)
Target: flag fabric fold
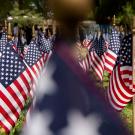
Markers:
point(120, 90)
point(112, 52)
point(15, 83)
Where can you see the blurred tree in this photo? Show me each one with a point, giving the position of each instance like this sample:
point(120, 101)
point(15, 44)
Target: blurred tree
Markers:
point(25, 16)
point(106, 8)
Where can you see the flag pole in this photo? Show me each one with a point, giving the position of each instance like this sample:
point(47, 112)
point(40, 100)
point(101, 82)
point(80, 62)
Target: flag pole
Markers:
point(9, 31)
point(114, 20)
point(133, 74)
point(33, 31)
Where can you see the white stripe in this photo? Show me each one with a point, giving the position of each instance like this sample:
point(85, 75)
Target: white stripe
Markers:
point(109, 66)
point(5, 122)
point(123, 68)
point(94, 61)
point(110, 59)
point(127, 76)
point(8, 111)
point(121, 87)
point(32, 73)
point(81, 65)
point(112, 53)
point(117, 92)
point(39, 65)
point(26, 75)
point(19, 95)
point(100, 64)
point(113, 105)
point(36, 69)
point(96, 70)
point(20, 81)
point(10, 98)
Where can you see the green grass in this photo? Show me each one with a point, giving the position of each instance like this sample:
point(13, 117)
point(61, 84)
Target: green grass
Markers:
point(126, 115)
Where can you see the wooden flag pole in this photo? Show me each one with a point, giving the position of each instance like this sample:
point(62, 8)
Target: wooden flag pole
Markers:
point(133, 80)
point(33, 31)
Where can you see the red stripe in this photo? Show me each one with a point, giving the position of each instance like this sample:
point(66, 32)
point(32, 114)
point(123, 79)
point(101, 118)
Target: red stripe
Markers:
point(41, 64)
point(46, 58)
point(110, 56)
point(118, 89)
point(35, 73)
point(16, 83)
point(108, 70)
point(9, 104)
point(97, 66)
point(123, 72)
point(27, 84)
point(15, 97)
point(110, 63)
point(118, 106)
point(4, 127)
point(6, 116)
point(37, 68)
point(122, 83)
point(29, 73)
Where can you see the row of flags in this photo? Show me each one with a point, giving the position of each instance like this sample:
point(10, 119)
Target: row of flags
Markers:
point(19, 75)
point(19, 72)
point(115, 57)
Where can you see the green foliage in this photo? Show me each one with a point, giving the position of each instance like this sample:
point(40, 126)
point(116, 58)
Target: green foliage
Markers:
point(108, 8)
point(126, 115)
point(106, 80)
point(26, 16)
point(125, 17)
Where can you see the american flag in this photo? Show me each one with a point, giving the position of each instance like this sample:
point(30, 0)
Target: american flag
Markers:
point(15, 80)
point(45, 44)
point(87, 43)
point(3, 41)
point(120, 88)
point(112, 52)
point(13, 44)
point(86, 62)
point(36, 59)
point(97, 51)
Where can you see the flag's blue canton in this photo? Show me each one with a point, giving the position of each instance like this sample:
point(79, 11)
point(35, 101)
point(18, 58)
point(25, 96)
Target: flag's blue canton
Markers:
point(125, 55)
point(45, 44)
point(3, 41)
point(33, 54)
point(11, 66)
point(98, 46)
point(115, 42)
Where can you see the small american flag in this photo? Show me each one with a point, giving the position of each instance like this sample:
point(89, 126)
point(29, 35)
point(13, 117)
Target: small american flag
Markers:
point(15, 80)
point(112, 52)
point(86, 62)
point(45, 44)
point(97, 51)
point(13, 44)
point(35, 59)
point(120, 88)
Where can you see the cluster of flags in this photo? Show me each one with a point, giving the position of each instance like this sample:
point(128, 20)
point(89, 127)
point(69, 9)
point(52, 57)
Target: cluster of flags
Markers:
point(18, 77)
point(115, 57)
point(102, 53)
point(19, 72)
